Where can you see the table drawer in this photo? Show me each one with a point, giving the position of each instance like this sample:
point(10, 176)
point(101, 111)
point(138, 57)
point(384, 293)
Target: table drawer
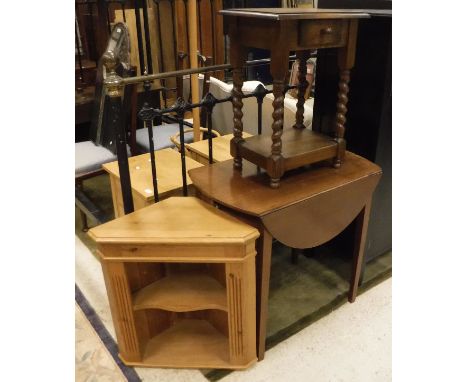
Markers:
point(322, 33)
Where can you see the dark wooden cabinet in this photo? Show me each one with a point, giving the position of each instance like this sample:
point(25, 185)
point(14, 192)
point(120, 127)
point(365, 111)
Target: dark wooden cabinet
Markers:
point(369, 116)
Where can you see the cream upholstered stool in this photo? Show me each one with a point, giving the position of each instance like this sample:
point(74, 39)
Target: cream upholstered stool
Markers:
point(180, 278)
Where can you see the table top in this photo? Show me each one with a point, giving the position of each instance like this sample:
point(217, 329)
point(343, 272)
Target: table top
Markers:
point(247, 191)
point(197, 223)
point(168, 172)
point(221, 147)
point(295, 13)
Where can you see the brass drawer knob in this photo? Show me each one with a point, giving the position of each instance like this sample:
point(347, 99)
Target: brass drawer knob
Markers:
point(327, 30)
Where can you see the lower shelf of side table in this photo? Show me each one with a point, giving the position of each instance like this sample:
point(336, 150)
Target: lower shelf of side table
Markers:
point(188, 343)
point(299, 148)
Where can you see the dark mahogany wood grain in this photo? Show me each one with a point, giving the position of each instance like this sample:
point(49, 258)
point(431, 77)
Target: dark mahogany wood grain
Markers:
point(245, 191)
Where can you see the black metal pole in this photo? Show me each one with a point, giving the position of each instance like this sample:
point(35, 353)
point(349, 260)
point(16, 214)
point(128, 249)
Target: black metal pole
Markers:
point(95, 54)
point(149, 58)
point(108, 17)
point(77, 42)
point(210, 137)
point(180, 107)
point(141, 53)
point(122, 5)
point(163, 82)
point(174, 45)
point(188, 41)
point(116, 119)
point(149, 126)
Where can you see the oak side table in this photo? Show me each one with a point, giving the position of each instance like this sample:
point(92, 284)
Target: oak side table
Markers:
point(313, 206)
point(168, 172)
point(282, 30)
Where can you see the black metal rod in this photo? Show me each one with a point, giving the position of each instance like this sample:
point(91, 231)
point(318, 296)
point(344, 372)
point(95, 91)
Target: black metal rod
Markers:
point(163, 82)
point(116, 118)
point(188, 42)
point(259, 115)
point(141, 53)
point(93, 33)
point(149, 126)
point(174, 34)
point(77, 42)
point(149, 58)
point(180, 118)
point(210, 136)
point(108, 17)
point(123, 12)
point(205, 103)
point(174, 39)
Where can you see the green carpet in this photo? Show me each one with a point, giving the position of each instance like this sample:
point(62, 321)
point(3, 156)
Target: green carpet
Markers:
point(299, 294)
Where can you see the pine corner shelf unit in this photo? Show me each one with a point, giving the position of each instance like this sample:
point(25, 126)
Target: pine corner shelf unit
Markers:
point(181, 290)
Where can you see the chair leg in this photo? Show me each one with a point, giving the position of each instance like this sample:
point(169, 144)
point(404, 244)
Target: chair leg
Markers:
point(84, 221)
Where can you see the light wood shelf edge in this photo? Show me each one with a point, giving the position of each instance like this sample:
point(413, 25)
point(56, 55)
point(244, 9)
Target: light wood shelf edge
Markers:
point(189, 343)
point(182, 292)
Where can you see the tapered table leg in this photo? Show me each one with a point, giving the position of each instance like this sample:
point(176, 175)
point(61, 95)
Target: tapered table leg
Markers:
point(362, 222)
point(263, 259)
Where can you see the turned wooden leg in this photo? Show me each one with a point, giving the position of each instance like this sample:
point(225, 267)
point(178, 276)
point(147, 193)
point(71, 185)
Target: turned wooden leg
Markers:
point(263, 265)
point(279, 70)
point(301, 88)
point(362, 221)
point(276, 170)
point(346, 56)
point(238, 58)
point(340, 118)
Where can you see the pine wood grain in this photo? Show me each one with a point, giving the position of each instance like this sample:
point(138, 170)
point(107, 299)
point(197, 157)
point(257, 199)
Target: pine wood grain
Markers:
point(182, 292)
point(199, 151)
point(175, 220)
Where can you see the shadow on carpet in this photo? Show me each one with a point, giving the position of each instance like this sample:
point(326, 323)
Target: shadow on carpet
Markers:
point(300, 294)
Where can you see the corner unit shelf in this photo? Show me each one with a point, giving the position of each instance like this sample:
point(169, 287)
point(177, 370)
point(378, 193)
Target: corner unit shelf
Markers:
point(183, 292)
point(193, 343)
